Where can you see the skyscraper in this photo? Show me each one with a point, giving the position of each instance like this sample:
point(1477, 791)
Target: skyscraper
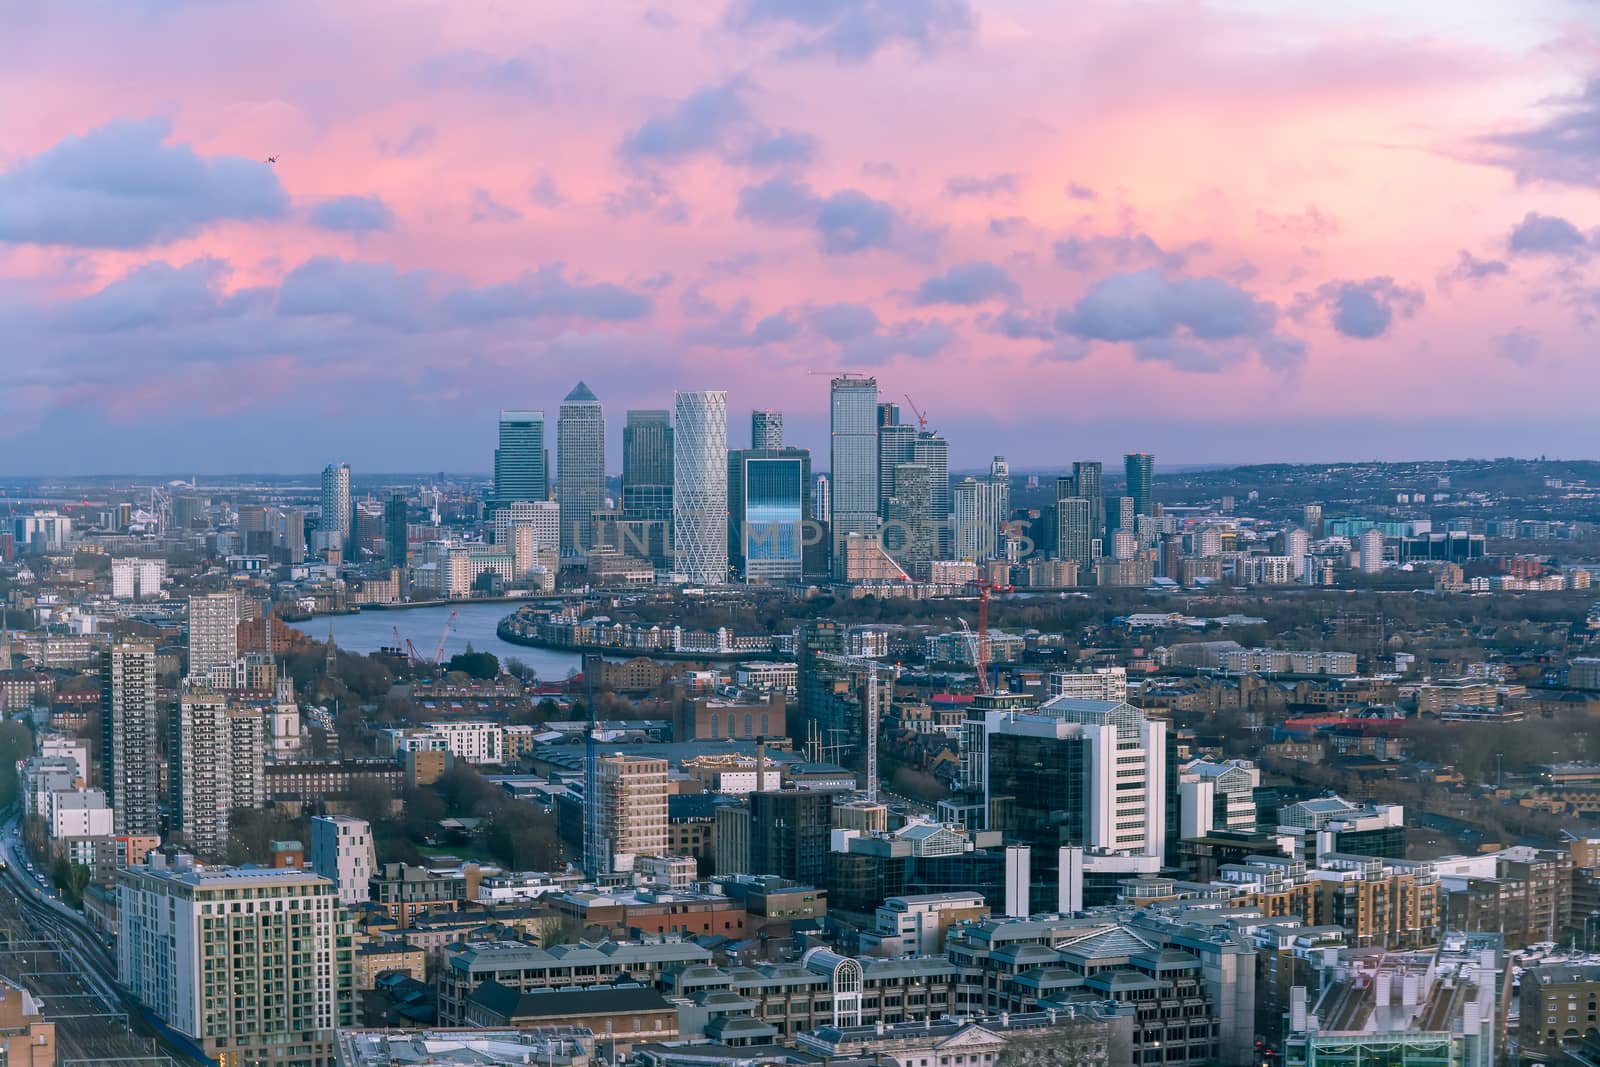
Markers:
point(853, 462)
point(980, 508)
point(213, 632)
point(933, 451)
point(789, 834)
point(768, 501)
point(700, 487)
point(1311, 517)
point(1075, 530)
point(1141, 470)
point(766, 429)
point(217, 766)
point(647, 466)
point(337, 515)
point(128, 736)
point(1086, 483)
point(520, 468)
point(394, 529)
point(580, 467)
point(628, 816)
point(897, 444)
point(909, 534)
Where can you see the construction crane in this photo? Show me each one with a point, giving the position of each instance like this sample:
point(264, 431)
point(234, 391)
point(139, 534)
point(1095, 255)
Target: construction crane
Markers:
point(449, 624)
point(984, 587)
point(976, 650)
point(922, 418)
point(404, 644)
point(873, 712)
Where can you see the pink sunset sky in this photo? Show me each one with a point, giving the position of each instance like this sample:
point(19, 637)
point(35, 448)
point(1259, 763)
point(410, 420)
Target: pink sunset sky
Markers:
point(1245, 230)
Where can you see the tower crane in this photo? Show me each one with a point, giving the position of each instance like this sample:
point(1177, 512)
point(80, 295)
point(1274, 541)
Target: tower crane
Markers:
point(449, 624)
point(922, 417)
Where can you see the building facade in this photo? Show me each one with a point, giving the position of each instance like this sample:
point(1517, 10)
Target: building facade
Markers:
point(700, 487)
point(580, 467)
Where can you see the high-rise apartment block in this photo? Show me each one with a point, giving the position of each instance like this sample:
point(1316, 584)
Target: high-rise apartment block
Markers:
point(338, 515)
point(129, 744)
point(213, 632)
point(700, 487)
point(218, 766)
point(1086, 483)
point(137, 579)
point(342, 851)
point(910, 535)
point(628, 814)
point(580, 467)
point(980, 507)
point(766, 429)
point(853, 470)
point(1141, 473)
point(396, 541)
point(521, 460)
point(253, 965)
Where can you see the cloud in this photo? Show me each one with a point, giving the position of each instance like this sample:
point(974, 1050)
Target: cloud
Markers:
point(152, 294)
point(365, 291)
point(1017, 325)
point(1363, 310)
point(352, 214)
point(1547, 235)
point(1078, 191)
point(844, 322)
point(650, 195)
point(1520, 346)
point(1122, 250)
point(780, 148)
point(545, 193)
point(122, 186)
point(1469, 268)
point(1180, 320)
point(523, 74)
point(698, 123)
point(729, 330)
point(853, 31)
point(1312, 222)
point(485, 208)
point(547, 293)
point(1563, 149)
point(968, 284)
point(416, 142)
point(976, 185)
point(914, 338)
point(847, 221)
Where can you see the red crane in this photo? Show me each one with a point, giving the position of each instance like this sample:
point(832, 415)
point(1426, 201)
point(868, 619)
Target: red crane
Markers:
point(984, 588)
point(404, 644)
point(449, 624)
point(922, 418)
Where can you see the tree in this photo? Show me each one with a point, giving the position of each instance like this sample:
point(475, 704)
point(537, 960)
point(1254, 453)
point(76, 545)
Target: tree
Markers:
point(482, 665)
point(16, 744)
point(71, 878)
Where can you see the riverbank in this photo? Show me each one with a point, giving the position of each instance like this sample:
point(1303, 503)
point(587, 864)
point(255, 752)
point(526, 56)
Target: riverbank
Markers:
point(511, 637)
point(476, 623)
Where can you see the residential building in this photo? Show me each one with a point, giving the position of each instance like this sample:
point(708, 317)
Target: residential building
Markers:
point(789, 834)
point(1559, 1003)
point(700, 487)
point(343, 851)
point(628, 816)
point(77, 813)
point(335, 526)
point(766, 430)
point(27, 1038)
point(1097, 683)
point(407, 892)
point(979, 510)
point(396, 543)
point(580, 467)
point(136, 579)
point(218, 766)
point(129, 743)
point(213, 632)
point(910, 534)
point(248, 963)
point(1140, 470)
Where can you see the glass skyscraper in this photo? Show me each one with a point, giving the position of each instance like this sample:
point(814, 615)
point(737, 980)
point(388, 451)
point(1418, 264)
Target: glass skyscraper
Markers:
point(647, 466)
point(897, 444)
point(1086, 483)
point(580, 467)
point(521, 470)
point(394, 529)
point(853, 461)
point(766, 429)
point(768, 500)
point(337, 514)
point(933, 451)
point(1141, 468)
point(700, 487)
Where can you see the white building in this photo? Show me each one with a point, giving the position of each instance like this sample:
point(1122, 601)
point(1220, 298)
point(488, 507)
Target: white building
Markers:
point(342, 851)
point(1217, 796)
point(248, 963)
point(700, 487)
point(137, 579)
point(77, 813)
point(41, 532)
point(1101, 683)
point(980, 507)
point(64, 746)
point(542, 517)
point(916, 925)
point(1371, 551)
point(472, 741)
point(43, 775)
point(213, 632)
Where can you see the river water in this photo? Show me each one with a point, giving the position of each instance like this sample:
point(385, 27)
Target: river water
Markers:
point(369, 631)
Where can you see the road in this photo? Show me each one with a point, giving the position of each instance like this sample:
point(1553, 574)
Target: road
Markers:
point(49, 948)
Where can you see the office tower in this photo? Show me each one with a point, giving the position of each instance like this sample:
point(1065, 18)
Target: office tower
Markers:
point(1312, 519)
point(1086, 483)
point(1371, 546)
point(789, 834)
point(909, 533)
point(933, 451)
point(254, 965)
point(766, 430)
point(218, 765)
point(334, 527)
point(1141, 471)
point(980, 507)
point(629, 815)
point(580, 467)
point(888, 415)
point(647, 466)
point(128, 736)
point(822, 500)
point(292, 534)
point(543, 517)
point(700, 487)
point(255, 529)
point(1075, 530)
point(395, 543)
point(897, 444)
point(853, 462)
point(213, 632)
point(767, 505)
point(521, 468)
point(342, 851)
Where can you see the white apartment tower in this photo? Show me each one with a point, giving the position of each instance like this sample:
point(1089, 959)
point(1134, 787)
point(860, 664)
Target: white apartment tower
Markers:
point(213, 632)
point(342, 851)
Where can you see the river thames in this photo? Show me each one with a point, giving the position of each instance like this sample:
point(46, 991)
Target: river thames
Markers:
point(369, 631)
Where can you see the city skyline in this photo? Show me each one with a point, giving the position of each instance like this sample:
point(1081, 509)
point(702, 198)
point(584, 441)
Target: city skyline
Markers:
point(1410, 216)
